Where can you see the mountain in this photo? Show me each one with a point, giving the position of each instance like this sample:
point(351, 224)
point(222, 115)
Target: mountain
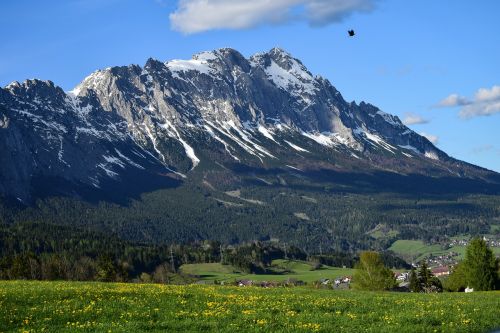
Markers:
point(219, 128)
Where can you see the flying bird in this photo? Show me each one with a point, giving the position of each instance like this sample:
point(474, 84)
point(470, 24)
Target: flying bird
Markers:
point(351, 33)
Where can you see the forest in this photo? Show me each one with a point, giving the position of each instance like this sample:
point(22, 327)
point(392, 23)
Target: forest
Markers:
point(48, 252)
point(326, 215)
point(251, 216)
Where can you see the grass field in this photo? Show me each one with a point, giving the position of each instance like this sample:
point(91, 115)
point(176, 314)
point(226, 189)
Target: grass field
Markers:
point(413, 250)
point(297, 270)
point(112, 307)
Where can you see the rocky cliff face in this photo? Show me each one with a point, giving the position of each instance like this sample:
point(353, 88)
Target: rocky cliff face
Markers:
point(166, 120)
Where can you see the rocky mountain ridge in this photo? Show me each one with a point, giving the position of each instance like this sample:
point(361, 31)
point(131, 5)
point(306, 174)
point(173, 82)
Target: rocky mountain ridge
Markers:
point(162, 122)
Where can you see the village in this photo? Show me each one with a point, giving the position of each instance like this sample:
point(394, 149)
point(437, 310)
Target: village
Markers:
point(337, 283)
point(491, 242)
point(340, 283)
point(439, 266)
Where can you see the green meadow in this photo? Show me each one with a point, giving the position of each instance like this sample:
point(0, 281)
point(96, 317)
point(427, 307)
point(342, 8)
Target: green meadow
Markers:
point(114, 307)
point(280, 270)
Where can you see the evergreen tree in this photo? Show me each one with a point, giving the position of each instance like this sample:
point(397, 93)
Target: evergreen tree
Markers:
point(105, 269)
point(427, 282)
point(424, 274)
point(414, 283)
point(481, 266)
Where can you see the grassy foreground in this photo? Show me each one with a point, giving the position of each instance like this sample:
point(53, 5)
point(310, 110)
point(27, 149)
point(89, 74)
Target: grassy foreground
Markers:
point(113, 307)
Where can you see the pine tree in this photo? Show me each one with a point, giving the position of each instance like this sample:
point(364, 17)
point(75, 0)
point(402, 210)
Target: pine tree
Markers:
point(414, 283)
point(424, 274)
point(481, 266)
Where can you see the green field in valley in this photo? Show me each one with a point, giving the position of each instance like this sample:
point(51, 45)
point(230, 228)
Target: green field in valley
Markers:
point(281, 270)
point(416, 250)
point(113, 307)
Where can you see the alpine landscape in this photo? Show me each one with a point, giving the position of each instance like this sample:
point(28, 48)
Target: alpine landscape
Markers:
point(230, 192)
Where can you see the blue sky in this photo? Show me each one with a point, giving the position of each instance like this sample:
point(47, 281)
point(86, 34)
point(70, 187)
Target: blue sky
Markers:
point(434, 63)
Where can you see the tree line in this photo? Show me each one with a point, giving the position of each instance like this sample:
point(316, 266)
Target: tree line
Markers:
point(51, 252)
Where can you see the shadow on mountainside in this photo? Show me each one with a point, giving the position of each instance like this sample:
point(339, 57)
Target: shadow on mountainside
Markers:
point(376, 182)
point(129, 186)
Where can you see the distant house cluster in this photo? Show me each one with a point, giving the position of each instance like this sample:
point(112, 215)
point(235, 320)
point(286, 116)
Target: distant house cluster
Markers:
point(269, 284)
point(449, 259)
point(441, 271)
point(459, 242)
point(491, 242)
point(338, 283)
point(402, 277)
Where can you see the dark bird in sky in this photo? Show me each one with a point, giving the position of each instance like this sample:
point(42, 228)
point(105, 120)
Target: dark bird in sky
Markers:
point(351, 33)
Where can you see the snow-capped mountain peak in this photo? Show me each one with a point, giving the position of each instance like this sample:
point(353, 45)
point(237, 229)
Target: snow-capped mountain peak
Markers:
point(171, 117)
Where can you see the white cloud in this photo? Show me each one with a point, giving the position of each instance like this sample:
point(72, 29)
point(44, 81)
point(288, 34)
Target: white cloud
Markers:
point(480, 109)
point(485, 95)
point(193, 16)
point(485, 103)
point(432, 138)
point(453, 100)
point(414, 119)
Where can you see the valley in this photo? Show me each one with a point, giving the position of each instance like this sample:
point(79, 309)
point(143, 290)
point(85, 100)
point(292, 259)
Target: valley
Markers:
point(230, 149)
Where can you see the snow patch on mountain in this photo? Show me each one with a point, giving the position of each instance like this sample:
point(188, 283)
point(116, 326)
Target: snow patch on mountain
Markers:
point(216, 137)
point(297, 148)
point(408, 147)
point(296, 80)
point(293, 168)
point(188, 149)
point(92, 81)
point(407, 155)
point(381, 142)
point(245, 137)
point(109, 172)
point(320, 138)
point(432, 155)
point(225, 131)
point(393, 120)
point(205, 56)
point(60, 154)
point(199, 63)
point(128, 160)
point(114, 160)
point(154, 142)
point(375, 140)
point(266, 133)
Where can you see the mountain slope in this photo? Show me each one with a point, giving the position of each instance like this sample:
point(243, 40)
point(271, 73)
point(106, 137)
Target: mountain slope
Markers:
point(217, 123)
